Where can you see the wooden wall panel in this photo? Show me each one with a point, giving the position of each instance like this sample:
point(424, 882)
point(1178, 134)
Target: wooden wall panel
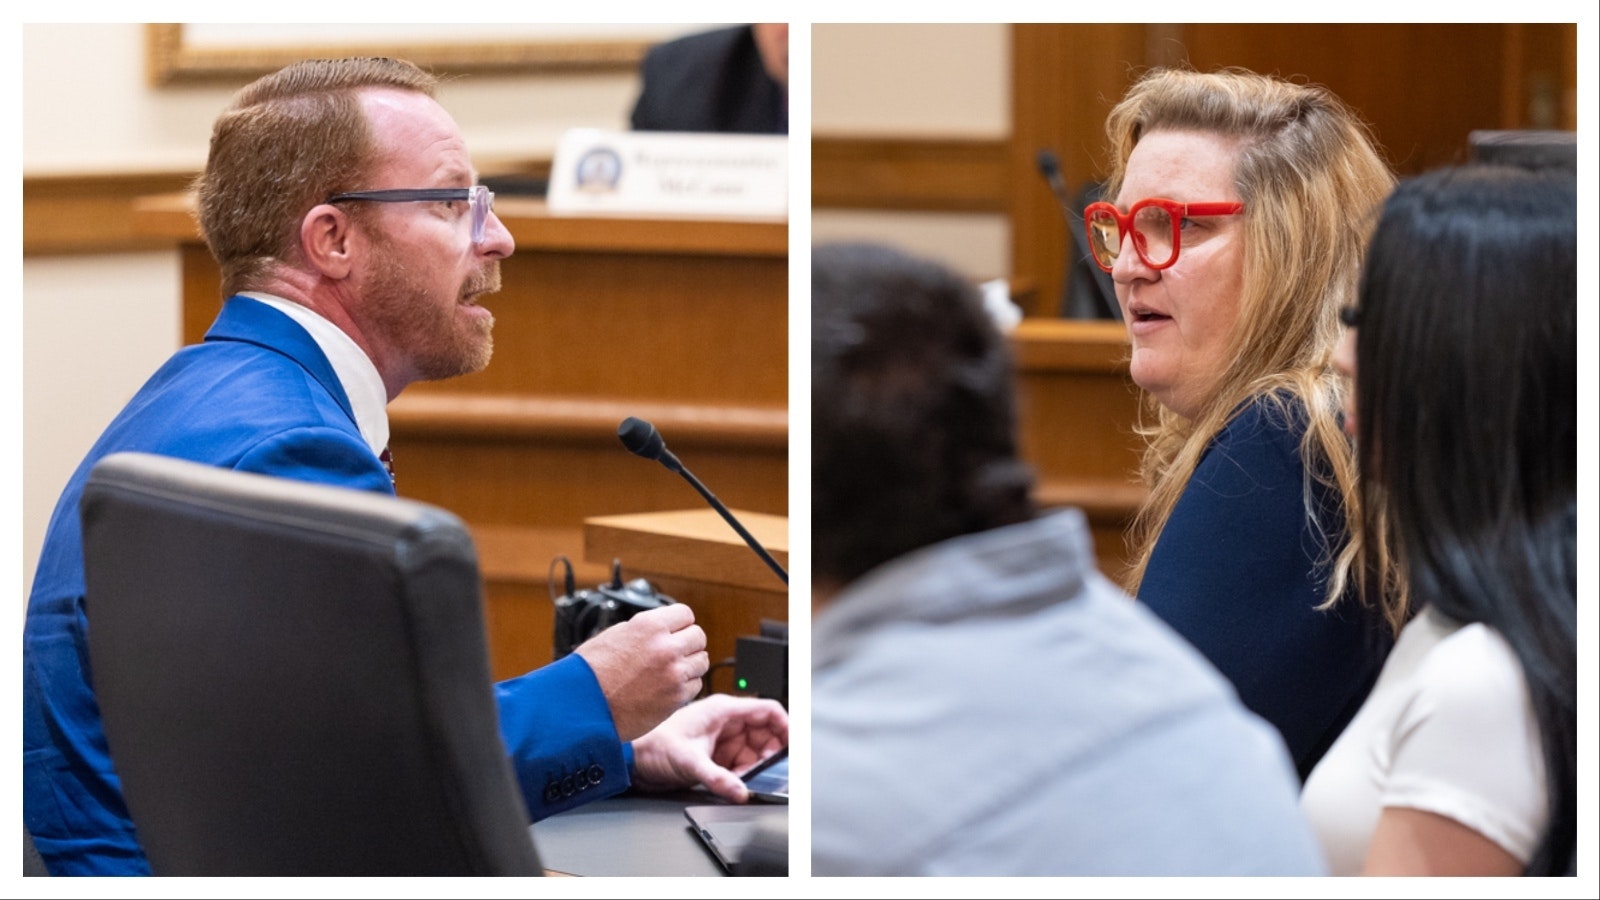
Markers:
point(1078, 408)
point(648, 326)
point(696, 558)
point(1423, 87)
point(1065, 79)
point(91, 213)
point(945, 175)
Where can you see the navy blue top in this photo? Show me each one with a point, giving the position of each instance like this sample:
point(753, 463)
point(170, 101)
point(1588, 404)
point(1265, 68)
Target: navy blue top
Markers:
point(1239, 570)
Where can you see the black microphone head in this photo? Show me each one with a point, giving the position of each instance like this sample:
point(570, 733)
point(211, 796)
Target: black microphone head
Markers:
point(641, 438)
point(1049, 164)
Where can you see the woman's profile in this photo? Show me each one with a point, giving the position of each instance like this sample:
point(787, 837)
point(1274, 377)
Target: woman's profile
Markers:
point(1238, 210)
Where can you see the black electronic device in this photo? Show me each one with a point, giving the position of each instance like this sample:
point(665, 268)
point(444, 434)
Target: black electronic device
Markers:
point(1527, 148)
point(769, 779)
point(761, 662)
point(581, 615)
point(748, 839)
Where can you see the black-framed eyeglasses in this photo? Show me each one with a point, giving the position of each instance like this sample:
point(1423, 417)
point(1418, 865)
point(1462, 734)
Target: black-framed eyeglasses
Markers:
point(480, 198)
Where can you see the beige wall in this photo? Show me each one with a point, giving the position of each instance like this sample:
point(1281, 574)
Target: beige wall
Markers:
point(86, 105)
point(911, 80)
point(934, 81)
point(95, 327)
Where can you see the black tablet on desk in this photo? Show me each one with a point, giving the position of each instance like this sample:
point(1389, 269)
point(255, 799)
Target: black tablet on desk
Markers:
point(752, 839)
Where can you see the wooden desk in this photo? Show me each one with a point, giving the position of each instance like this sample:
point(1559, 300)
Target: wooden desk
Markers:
point(1078, 409)
point(697, 558)
point(683, 322)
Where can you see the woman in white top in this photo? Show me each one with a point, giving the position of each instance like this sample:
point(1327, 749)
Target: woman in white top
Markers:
point(1463, 758)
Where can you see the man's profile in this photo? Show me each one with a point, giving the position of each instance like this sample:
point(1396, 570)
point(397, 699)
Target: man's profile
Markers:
point(356, 251)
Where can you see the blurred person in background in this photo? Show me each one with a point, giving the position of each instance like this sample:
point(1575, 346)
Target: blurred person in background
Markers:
point(731, 80)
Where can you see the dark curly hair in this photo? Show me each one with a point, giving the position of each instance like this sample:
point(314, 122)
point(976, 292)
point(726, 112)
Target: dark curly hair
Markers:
point(913, 417)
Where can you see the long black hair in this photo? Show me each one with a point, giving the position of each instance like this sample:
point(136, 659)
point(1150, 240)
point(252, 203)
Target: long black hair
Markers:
point(1466, 392)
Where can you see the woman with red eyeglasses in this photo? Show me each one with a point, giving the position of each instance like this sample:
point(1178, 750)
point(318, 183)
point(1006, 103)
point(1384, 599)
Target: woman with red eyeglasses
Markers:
point(1235, 218)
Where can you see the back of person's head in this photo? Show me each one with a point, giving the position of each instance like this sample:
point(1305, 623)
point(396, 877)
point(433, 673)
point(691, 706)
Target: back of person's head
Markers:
point(913, 416)
point(285, 143)
point(1309, 174)
point(1466, 399)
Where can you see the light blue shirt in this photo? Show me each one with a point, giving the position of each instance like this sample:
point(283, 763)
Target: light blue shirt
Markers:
point(992, 705)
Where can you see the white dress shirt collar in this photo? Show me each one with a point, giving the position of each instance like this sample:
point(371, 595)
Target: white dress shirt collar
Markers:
point(356, 373)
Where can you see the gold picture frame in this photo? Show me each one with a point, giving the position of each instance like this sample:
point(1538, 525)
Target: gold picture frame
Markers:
point(175, 57)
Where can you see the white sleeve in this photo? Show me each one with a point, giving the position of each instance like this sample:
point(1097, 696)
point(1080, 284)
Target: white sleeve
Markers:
point(1466, 746)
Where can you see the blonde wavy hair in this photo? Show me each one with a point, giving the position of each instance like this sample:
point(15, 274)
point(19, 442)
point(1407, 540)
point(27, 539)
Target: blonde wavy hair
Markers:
point(1312, 179)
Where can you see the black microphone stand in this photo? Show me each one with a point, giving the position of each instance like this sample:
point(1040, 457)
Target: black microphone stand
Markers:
point(642, 439)
point(723, 511)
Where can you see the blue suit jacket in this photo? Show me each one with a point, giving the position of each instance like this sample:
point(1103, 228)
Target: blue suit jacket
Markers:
point(258, 396)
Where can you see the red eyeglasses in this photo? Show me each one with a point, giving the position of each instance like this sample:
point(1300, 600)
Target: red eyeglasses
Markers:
point(1153, 224)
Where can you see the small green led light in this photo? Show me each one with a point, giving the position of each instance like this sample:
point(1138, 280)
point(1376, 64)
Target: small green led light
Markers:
point(744, 684)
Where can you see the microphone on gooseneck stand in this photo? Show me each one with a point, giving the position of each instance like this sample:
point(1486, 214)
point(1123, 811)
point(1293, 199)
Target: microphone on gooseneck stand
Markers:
point(642, 439)
point(1089, 292)
point(1050, 168)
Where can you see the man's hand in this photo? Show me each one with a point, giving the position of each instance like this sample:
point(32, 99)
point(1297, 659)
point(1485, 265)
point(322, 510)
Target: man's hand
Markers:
point(648, 666)
point(709, 742)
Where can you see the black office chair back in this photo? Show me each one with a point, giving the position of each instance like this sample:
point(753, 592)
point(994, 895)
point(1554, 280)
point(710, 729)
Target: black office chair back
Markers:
point(1526, 148)
point(32, 862)
point(294, 678)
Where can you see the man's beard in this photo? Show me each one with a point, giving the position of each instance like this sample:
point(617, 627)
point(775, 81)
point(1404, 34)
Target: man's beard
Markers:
point(435, 339)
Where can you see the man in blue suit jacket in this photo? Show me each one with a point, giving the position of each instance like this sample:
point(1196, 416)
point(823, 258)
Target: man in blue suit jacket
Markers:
point(339, 200)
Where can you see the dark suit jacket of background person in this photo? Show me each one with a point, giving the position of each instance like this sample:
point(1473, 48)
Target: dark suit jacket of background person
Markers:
point(258, 395)
point(712, 81)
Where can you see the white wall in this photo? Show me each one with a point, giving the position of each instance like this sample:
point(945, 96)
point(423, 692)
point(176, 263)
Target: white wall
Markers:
point(930, 81)
point(95, 327)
